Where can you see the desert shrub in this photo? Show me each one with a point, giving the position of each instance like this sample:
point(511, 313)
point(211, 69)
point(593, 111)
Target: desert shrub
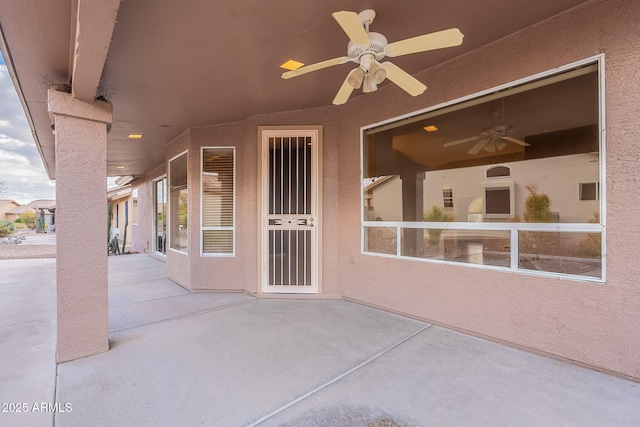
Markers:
point(28, 218)
point(6, 228)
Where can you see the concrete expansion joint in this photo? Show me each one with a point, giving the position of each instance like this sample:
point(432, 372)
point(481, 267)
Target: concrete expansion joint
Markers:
point(339, 377)
point(55, 396)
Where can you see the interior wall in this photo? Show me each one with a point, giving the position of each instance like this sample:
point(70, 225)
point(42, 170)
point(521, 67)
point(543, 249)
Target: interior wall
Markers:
point(591, 323)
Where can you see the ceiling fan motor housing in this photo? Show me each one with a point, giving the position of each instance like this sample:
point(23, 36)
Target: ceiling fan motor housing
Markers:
point(376, 48)
point(367, 49)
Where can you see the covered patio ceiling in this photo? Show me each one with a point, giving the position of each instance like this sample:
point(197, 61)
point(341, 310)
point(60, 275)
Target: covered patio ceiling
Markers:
point(171, 65)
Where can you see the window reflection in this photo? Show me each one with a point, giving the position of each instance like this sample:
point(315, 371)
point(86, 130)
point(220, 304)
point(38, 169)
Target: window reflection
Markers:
point(525, 155)
point(466, 246)
point(566, 253)
point(485, 153)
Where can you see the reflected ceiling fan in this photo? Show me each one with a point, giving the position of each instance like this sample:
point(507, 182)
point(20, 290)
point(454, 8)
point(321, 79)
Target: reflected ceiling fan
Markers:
point(368, 48)
point(492, 138)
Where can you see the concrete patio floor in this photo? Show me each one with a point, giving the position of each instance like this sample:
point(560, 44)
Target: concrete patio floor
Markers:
point(180, 358)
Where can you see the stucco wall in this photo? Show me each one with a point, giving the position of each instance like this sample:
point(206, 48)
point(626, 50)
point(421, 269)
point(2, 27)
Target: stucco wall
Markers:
point(142, 232)
point(241, 272)
point(590, 323)
point(220, 273)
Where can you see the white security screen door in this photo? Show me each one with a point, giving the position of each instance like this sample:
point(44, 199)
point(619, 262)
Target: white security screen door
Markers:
point(290, 211)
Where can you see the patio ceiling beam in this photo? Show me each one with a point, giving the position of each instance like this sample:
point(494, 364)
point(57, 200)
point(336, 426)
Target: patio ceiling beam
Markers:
point(92, 28)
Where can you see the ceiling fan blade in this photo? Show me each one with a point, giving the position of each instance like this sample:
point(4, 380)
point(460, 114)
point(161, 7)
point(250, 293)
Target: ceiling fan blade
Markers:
point(406, 81)
point(479, 146)
point(352, 25)
point(315, 67)
point(459, 141)
point(515, 141)
point(438, 40)
point(343, 93)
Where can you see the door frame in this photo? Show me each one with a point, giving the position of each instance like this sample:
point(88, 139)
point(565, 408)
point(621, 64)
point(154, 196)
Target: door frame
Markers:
point(315, 131)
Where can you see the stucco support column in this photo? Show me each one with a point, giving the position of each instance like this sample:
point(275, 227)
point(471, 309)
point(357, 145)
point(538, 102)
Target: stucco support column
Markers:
point(81, 224)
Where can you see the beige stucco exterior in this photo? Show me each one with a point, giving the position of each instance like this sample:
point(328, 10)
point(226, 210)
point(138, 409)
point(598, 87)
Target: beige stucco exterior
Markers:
point(584, 322)
point(6, 206)
point(81, 263)
point(589, 323)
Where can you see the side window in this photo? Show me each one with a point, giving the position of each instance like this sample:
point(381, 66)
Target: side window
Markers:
point(218, 201)
point(178, 203)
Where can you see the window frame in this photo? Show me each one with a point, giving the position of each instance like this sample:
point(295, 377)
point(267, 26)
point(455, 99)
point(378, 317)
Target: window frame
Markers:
point(134, 206)
point(513, 228)
point(203, 228)
point(581, 191)
point(154, 228)
point(499, 183)
point(496, 167)
point(170, 207)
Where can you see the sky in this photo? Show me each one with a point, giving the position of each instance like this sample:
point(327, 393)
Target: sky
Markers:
point(21, 166)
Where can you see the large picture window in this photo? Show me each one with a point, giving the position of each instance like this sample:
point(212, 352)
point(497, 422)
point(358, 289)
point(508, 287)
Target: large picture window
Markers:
point(509, 164)
point(218, 201)
point(178, 203)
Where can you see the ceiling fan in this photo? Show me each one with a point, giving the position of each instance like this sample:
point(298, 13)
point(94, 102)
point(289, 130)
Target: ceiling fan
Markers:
point(367, 48)
point(491, 139)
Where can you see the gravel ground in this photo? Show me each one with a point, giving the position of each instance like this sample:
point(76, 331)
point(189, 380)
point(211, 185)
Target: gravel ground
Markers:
point(33, 246)
point(21, 251)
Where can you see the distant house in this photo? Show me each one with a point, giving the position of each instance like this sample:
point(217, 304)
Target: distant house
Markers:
point(45, 209)
point(14, 213)
point(10, 210)
point(122, 208)
point(6, 208)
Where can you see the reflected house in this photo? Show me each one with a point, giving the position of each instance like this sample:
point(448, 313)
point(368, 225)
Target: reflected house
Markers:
point(242, 181)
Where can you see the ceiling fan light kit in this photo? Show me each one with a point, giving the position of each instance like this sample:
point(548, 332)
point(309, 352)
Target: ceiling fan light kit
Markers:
point(367, 49)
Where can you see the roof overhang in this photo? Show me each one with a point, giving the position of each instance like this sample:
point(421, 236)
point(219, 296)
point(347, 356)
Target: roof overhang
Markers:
point(168, 66)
